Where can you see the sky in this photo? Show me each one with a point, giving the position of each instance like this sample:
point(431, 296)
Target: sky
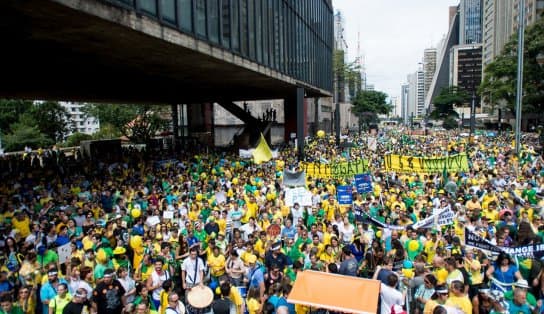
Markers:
point(393, 35)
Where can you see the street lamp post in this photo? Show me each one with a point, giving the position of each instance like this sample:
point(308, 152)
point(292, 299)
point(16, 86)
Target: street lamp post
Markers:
point(519, 87)
point(472, 109)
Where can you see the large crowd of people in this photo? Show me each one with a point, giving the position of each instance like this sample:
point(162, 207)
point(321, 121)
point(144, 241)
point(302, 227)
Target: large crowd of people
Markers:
point(147, 231)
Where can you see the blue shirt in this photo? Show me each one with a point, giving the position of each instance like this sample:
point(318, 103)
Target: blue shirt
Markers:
point(289, 232)
point(48, 292)
point(506, 277)
point(256, 277)
point(518, 309)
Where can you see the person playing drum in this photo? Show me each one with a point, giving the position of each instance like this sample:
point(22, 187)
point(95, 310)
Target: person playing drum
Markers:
point(192, 270)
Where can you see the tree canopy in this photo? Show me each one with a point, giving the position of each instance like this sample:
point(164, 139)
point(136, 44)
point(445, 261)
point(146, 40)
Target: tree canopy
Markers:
point(500, 76)
point(137, 122)
point(34, 124)
point(368, 104)
point(444, 102)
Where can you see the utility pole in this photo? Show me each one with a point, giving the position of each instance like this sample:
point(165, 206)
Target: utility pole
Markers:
point(519, 88)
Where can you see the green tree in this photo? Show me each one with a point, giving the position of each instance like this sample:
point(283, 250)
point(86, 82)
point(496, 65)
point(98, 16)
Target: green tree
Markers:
point(138, 122)
point(76, 138)
point(445, 101)
point(50, 118)
point(10, 111)
point(107, 132)
point(112, 115)
point(23, 135)
point(150, 120)
point(500, 76)
point(368, 104)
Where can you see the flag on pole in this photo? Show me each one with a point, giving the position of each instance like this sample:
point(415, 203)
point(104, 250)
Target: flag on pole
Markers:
point(262, 152)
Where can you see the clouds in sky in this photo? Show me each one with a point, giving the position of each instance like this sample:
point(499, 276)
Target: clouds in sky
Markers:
point(393, 35)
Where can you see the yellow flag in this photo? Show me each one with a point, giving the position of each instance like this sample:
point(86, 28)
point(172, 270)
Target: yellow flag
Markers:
point(262, 152)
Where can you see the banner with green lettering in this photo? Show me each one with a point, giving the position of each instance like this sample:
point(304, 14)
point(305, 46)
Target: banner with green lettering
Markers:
point(346, 169)
point(399, 163)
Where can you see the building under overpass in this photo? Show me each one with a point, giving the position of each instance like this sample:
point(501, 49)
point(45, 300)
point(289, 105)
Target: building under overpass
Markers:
point(190, 52)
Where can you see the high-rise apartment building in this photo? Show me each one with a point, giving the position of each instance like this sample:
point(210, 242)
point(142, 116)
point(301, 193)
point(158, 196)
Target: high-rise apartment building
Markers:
point(498, 25)
point(470, 23)
point(404, 103)
point(420, 96)
point(533, 11)
point(81, 122)
point(500, 22)
point(429, 67)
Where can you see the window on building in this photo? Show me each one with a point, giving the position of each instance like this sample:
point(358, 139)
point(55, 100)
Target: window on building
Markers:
point(213, 20)
point(186, 15)
point(200, 17)
point(225, 23)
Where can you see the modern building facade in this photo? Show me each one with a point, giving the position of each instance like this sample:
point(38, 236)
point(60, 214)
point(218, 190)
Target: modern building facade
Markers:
point(404, 103)
point(429, 67)
point(420, 96)
point(466, 68)
point(80, 121)
point(411, 105)
point(441, 78)
point(501, 22)
point(470, 24)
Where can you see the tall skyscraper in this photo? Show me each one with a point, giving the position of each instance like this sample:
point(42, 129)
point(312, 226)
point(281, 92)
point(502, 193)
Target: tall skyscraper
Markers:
point(533, 10)
point(420, 96)
point(404, 103)
point(497, 28)
point(429, 67)
point(470, 24)
point(501, 22)
point(442, 72)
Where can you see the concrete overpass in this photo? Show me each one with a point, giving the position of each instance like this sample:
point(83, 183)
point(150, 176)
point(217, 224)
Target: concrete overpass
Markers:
point(145, 51)
point(168, 51)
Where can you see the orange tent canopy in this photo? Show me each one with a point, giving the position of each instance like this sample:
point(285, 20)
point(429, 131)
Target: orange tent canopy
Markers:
point(335, 292)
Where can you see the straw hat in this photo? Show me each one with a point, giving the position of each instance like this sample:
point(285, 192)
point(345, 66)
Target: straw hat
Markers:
point(200, 297)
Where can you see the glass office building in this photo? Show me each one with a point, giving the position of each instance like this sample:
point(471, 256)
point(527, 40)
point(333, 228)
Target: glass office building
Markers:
point(293, 37)
point(470, 31)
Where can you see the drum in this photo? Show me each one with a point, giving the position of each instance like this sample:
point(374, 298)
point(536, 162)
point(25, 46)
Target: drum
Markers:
point(199, 299)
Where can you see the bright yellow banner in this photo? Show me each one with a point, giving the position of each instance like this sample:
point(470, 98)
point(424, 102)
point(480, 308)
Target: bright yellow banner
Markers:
point(335, 170)
point(455, 163)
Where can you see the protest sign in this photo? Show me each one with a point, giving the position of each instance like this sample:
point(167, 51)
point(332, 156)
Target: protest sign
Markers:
point(298, 195)
point(363, 182)
point(344, 195)
point(294, 178)
point(399, 163)
point(336, 169)
point(168, 214)
point(65, 253)
point(220, 197)
point(525, 251)
point(442, 218)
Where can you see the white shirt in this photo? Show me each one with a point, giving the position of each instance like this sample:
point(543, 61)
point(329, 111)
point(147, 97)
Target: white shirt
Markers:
point(346, 232)
point(390, 296)
point(189, 267)
point(297, 213)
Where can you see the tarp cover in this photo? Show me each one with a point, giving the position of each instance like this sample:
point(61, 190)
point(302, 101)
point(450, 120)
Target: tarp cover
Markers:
point(335, 292)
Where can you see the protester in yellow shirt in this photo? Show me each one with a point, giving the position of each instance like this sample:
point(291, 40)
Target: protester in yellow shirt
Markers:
point(254, 302)
point(216, 262)
point(328, 256)
point(458, 299)
point(21, 222)
point(251, 209)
